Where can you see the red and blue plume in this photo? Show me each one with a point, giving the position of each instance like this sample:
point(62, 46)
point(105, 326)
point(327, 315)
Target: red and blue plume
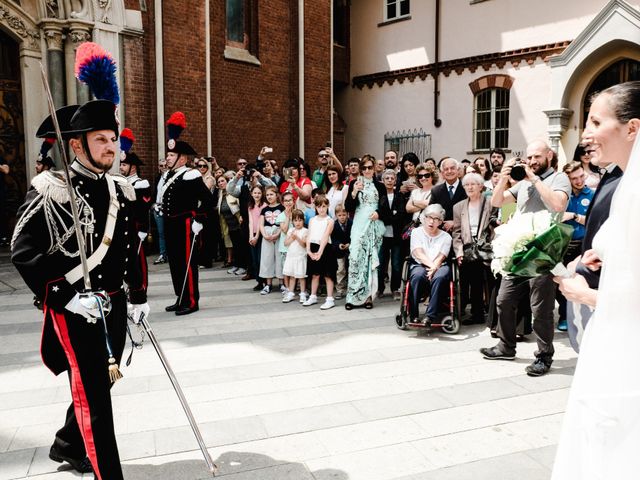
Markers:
point(46, 146)
point(126, 140)
point(96, 68)
point(176, 124)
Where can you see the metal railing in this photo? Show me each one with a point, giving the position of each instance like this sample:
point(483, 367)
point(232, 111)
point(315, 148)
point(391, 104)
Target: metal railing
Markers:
point(416, 141)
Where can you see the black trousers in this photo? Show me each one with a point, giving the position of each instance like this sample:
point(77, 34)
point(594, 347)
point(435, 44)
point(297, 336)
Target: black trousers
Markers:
point(476, 284)
point(88, 428)
point(541, 293)
point(179, 238)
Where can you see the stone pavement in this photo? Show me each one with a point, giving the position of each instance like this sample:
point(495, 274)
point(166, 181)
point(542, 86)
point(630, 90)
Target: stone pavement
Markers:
point(291, 393)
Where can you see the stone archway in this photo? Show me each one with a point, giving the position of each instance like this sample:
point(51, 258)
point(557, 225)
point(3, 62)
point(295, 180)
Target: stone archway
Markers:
point(610, 36)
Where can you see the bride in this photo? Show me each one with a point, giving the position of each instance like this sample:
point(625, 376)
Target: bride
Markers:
point(601, 432)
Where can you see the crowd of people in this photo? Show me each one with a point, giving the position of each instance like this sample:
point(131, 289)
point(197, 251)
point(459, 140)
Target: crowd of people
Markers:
point(350, 228)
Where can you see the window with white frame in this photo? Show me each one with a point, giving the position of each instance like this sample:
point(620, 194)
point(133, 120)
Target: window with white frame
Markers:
point(491, 119)
point(394, 9)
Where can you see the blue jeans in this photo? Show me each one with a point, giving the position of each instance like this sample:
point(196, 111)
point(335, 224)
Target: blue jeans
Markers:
point(390, 248)
point(437, 287)
point(161, 242)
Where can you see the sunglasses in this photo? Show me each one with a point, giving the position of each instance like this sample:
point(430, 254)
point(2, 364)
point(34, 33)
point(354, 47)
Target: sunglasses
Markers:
point(423, 175)
point(367, 167)
point(242, 164)
point(323, 156)
point(202, 165)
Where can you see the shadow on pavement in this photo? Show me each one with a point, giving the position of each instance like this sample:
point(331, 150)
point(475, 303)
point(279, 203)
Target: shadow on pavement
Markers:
point(232, 466)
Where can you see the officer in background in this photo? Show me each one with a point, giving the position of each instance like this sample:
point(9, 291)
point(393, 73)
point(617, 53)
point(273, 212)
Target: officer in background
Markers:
point(45, 252)
point(129, 164)
point(185, 200)
point(44, 161)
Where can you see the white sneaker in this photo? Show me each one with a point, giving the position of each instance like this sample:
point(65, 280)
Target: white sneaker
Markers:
point(240, 271)
point(266, 290)
point(289, 296)
point(232, 270)
point(312, 300)
point(303, 297)
point(328, 303)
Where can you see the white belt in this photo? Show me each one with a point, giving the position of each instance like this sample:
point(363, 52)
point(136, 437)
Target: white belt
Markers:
point(112, 215)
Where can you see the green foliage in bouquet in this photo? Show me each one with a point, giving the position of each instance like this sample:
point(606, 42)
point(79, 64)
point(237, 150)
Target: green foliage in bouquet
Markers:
point(542, 253)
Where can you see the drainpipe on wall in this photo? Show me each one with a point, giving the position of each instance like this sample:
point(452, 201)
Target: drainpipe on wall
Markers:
point(331, 74)
point(207, 52)
point(301, 78)
point(436, 70)
point(159, 78)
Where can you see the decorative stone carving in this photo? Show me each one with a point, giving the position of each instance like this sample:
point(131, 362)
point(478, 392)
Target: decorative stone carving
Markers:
point(102, 10)
point(18, 26)
point(78, 9)
point(52, 8)
point(54, 36)
point(78, 36)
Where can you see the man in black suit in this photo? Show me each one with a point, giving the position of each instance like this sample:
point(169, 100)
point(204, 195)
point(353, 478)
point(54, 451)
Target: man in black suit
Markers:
point(449, 192)
point(597, 214)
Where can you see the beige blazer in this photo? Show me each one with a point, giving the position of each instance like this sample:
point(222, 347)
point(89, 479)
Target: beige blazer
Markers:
point(462, 233)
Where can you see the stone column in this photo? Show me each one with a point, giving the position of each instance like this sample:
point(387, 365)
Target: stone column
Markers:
point(558, 124)
point(80, 32)
point(55, 60)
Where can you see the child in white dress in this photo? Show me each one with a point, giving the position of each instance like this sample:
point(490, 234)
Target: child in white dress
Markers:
point(295, 264)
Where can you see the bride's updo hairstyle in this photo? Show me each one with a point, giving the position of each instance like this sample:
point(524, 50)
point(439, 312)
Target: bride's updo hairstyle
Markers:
point(624, 100)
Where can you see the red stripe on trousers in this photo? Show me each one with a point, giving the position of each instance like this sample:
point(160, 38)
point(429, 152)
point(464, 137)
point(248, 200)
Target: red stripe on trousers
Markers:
point(143, 266)
point(80, 402)
point(192, 300)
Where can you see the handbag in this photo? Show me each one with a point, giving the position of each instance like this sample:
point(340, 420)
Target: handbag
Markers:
point(406, 231)
point(480, 249)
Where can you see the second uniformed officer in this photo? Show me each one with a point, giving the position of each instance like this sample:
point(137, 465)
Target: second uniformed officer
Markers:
point(185, 199)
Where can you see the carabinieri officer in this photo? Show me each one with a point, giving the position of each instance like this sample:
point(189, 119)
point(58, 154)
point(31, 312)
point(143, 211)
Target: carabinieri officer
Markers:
point(185, 199)
point(45, 252)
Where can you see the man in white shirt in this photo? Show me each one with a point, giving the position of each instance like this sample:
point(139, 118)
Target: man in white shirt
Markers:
point(430, 248)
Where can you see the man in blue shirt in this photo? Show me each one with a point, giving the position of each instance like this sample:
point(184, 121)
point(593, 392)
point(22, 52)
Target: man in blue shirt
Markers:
point(579, 202)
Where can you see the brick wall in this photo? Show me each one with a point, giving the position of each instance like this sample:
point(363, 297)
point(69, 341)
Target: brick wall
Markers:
point(317, 98)
point(251, 105)
point(140, 90)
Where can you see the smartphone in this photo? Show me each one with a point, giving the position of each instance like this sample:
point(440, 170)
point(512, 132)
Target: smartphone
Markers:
point(268, 150)
point(328, 144)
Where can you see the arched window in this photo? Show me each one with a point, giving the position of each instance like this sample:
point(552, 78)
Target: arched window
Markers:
point(622, 71)
point(491, 119)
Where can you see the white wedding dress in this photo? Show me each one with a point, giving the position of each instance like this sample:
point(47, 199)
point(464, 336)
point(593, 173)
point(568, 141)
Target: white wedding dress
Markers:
point(600, 438)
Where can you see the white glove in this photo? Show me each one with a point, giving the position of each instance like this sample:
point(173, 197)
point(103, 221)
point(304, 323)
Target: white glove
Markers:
point(196, 227)
point(142, 236)
point(90, 305)
point(138, 311)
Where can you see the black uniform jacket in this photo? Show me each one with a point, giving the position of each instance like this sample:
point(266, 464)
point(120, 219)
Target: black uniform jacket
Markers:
point(186, 196)
point(43, 264)
point(142, 205)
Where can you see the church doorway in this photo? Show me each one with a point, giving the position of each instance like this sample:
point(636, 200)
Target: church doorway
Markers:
point(12, 148)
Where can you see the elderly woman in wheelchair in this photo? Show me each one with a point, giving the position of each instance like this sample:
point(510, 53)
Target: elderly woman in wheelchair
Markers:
point(428, 272)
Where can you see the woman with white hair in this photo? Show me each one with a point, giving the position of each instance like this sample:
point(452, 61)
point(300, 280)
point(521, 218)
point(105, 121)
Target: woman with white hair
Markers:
point(429, 248)
point(473, 222)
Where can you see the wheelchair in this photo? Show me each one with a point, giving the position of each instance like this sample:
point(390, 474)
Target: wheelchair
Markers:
point(449, 313)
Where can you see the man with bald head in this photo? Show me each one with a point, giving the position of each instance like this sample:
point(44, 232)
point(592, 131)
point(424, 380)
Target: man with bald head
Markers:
point(542, 189)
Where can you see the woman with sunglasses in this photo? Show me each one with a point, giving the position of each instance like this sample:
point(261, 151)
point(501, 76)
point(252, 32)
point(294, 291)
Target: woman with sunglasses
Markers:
point(204, 167)
point(363, 200)
point(427, 177)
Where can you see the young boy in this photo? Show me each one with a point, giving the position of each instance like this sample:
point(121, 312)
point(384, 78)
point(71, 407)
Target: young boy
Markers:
point(341, 239)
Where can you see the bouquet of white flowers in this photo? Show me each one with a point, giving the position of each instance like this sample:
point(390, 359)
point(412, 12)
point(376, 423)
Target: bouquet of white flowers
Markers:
point(530, 244)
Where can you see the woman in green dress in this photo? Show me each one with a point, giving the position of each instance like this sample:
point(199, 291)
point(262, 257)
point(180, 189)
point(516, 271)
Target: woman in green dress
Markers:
point(363, 200)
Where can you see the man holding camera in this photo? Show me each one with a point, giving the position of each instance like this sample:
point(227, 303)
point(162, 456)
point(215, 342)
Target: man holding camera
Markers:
point(539, 188)
point(326, 157)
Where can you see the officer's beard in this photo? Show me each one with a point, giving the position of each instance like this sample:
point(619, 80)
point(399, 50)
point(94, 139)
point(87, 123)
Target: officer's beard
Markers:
point(101, 166)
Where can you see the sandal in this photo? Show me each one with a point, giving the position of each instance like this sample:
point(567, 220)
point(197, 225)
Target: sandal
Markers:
point(348, 306)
